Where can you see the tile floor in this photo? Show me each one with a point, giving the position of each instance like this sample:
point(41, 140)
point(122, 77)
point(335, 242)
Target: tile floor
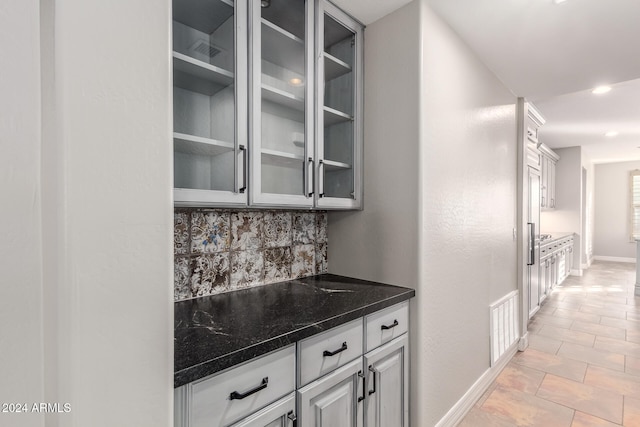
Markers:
point(582, 367)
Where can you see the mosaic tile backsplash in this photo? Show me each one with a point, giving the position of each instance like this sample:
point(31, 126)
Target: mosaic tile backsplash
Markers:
point(222, 250)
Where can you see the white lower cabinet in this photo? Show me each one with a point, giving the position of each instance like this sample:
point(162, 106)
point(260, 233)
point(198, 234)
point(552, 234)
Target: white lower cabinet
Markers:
point(338, 384)
point(279, 414)
point(387, 395)
point(334, 400)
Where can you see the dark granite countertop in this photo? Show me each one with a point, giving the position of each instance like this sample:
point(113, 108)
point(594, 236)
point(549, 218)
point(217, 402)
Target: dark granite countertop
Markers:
point(216, 332)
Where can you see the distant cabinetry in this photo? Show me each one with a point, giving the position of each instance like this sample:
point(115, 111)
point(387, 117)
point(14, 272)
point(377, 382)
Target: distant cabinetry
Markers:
point(267, 104)
point(556, 262)
point(548, 160)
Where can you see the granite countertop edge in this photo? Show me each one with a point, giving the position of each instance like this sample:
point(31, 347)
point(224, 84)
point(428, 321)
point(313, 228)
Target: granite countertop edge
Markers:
point(240, 355)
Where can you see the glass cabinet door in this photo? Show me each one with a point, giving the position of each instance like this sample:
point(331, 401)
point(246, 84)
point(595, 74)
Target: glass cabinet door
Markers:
point(210, 102)
point(339, 132)
point(282, 157)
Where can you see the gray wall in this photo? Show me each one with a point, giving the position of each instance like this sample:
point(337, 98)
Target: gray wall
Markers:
point(440, 198)
point(567, 217)
point(611, 216)
point(86, 304)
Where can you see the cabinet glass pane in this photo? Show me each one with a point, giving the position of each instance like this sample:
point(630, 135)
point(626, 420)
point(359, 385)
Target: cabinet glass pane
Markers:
point(283, 84)
point(338, 112)
point(204, 94)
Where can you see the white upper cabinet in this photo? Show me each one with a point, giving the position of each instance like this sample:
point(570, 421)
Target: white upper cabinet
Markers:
point(282, 150)
point(209, 102)
point(339, 105)
point(267, 104)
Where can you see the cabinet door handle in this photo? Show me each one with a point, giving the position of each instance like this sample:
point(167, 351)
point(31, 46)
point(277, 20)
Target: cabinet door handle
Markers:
point(320, 178)
point(391, 326)
point(373, 371)
point(311, 181)
point(244, 169)
point(364, 390)
point(333, 353)
point(236, 395)
point(292, 417)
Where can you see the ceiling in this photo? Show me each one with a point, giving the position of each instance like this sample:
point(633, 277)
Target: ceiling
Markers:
point(553, 55)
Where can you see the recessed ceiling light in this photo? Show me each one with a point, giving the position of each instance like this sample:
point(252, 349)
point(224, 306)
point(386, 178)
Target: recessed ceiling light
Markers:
point(611, 134)
point(559, 1)
point(601, 89)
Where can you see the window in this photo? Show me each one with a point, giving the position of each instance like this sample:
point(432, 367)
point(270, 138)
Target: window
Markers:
point(634, 214)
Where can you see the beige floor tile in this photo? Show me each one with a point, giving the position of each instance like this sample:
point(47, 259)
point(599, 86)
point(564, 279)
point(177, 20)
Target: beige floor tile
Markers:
point(618, 346)
point(567, 335)
point(591, 400)
point(620, 323)
point(593, 356)
point(631, 412)
point(633, 316)
point(632, 365)
point(580, 419)
point(521, 378)
point(599, 330)
point(617, 314)
point(577, 315)
point(561, 322)
point(542, 343)
point(478, 417)
point(557, 365)
point(633, 336)
point(522, 409)
point(612, 380)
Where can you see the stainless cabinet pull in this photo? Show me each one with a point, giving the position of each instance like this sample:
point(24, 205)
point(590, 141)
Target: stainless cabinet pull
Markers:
point(333, 353)
point(244, 168)
point(236, 395)
point(391, 326)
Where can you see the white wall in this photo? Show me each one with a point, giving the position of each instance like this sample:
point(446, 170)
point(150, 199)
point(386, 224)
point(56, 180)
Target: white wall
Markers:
point(440, 198)
point(21, 330)
point(86, 300)
point(611, 194)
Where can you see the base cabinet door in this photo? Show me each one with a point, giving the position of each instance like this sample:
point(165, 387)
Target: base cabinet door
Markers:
point(387, 385)
point(278, 414)
point(334, 400)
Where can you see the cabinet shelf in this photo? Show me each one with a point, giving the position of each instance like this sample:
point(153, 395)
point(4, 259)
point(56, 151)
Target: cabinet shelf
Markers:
point(198, 76)
point(191, 144)
point(331, 165)
point(334, 67)
point(282, 97)
point(281, 158)
point(282, 48)
point(205, 16)
point(332, 116)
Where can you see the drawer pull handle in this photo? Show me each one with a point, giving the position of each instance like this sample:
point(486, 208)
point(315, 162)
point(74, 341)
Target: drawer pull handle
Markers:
point(391, 326)
point(333, 353)
point(262, 386)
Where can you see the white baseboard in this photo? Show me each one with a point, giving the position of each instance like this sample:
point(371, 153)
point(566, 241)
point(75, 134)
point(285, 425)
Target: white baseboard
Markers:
point(576, 272)
point(613, 258)
point(466, 402)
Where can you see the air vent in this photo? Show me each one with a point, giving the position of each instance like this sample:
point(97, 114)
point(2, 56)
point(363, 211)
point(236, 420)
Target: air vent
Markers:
point(202, 47)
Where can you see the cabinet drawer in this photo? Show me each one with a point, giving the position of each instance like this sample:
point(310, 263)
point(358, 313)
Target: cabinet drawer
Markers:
point(385, 325)
point(322, 353)
point(239, 391)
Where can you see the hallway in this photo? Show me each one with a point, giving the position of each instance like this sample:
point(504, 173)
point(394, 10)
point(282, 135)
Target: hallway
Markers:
point(582, 367)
